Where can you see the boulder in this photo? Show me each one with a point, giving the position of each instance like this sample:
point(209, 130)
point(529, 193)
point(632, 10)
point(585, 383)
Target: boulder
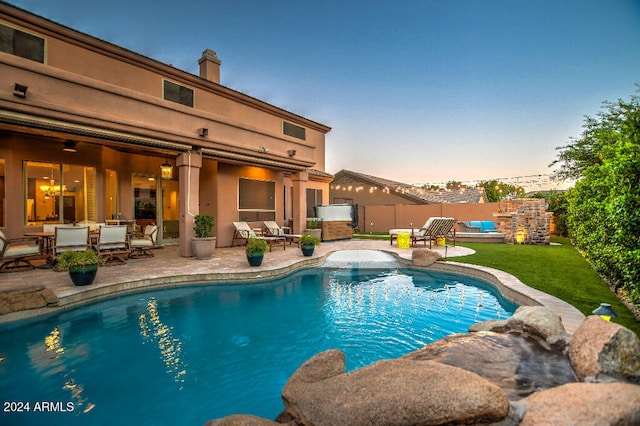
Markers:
point(584, 404)
point(517, 364)
point(424, 257)
point(241, 420)
point(601, 350)
point(395, 392)
point(29, 298)
point(539, 323)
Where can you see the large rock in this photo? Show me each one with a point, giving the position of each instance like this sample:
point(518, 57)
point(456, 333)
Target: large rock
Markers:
point(241, 420)
point(519, 365)
point(29, 298)
point(395, 392)
point(424, 257)
point(601, 350)
point(539, 323)
point(584, 404)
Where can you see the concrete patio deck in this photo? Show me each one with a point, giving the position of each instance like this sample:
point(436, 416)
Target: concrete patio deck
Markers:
point(168, 269)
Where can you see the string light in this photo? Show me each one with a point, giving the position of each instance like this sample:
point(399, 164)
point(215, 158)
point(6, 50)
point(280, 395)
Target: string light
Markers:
point(528, 182)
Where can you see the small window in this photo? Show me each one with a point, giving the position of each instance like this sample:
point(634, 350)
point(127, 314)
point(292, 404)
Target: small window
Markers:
point(177, 93)
point(290, 129)
point(21, 44)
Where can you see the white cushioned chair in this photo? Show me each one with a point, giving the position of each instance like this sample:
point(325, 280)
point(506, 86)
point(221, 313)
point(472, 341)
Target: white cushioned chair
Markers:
point(15, 253)
point(143, 242)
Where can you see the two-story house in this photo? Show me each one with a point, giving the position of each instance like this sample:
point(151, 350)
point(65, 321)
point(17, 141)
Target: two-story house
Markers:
point(90, 130)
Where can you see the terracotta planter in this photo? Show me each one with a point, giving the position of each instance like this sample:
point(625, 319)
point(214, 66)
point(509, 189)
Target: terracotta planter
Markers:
point(203, 248)
point(83, 275)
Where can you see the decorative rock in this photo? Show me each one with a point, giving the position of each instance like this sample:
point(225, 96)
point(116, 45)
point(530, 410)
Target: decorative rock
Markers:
point(584, 404)
point(241, 420)
point(539, 323)
point(322, 366)
point(600, 349)
point(31, 298)
point(424, 257)
point(396, 392)
point(496, 326)
point(518, 365)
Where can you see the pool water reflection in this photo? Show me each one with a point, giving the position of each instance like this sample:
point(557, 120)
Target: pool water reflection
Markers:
point(188, 355)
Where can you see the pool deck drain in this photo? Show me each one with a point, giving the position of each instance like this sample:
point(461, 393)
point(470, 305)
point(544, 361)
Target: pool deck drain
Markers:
point(169, 269)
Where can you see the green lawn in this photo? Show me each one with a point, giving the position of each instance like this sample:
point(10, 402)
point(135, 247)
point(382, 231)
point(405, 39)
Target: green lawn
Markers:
point(558, 270)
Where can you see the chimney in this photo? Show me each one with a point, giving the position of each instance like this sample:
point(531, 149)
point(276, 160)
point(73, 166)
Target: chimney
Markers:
point(210, 66)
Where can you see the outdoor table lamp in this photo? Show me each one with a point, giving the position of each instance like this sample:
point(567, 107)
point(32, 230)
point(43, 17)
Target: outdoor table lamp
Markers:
point(605, 312)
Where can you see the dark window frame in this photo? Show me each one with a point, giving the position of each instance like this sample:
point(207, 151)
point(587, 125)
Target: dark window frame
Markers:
point(24, 44)
point(178, 93)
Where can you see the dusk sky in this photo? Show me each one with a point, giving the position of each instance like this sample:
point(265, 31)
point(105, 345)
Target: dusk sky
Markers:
point(415, 91)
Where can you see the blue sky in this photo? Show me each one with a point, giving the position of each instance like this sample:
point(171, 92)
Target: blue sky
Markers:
point(415, 91)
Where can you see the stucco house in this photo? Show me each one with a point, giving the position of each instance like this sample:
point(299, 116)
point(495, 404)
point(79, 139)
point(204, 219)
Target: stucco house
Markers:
point(90, 130)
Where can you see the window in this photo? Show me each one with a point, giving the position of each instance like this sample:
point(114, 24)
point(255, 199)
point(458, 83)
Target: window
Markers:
point(21, 44)
point(290, 129)
point(256, 200)
point(59, 193)
point(176, 93)
point(314, 198)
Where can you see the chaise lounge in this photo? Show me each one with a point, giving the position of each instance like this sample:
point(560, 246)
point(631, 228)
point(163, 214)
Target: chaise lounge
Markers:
point(434, 227)
point(243, 232)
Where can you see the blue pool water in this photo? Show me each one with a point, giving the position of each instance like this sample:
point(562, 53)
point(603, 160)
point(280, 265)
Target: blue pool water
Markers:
point(188, 355)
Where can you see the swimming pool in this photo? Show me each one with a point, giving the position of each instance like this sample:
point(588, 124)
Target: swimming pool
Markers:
point(188, 355)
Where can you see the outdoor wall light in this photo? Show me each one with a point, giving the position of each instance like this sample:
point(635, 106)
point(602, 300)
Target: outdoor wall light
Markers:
point(20, 90)
point(69, 146)
point(605, 312)
point(291, 152)
point(166, 169)
point(203, 132)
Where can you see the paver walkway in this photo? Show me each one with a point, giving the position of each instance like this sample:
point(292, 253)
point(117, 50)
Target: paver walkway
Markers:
point(168, 268)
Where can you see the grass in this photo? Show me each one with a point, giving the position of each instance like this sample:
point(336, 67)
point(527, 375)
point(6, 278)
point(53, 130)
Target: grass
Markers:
point(558, 270)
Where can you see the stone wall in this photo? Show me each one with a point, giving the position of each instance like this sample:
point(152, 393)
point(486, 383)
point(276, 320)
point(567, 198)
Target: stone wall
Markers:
point(525, 221)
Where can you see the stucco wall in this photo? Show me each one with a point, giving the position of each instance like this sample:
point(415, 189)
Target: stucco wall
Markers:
point(401, 216)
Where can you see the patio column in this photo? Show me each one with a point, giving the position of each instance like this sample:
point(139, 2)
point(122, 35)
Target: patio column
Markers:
point(299, 181)
point(189, 165)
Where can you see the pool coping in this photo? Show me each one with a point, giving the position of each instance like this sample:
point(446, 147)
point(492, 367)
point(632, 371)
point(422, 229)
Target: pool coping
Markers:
point(506, 284)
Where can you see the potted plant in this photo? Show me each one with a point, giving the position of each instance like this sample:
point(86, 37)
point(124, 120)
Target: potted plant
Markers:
point(255, 251)
point(312, 228)
point(203, 244)
point(308, 243)
point(82, 265)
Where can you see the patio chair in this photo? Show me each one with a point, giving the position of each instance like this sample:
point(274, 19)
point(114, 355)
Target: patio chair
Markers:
point(435, 227)
point(113, 243)
point(74, 238)
point(272, 229)
point(15, 253)
point(143, 242)
point(243, 232)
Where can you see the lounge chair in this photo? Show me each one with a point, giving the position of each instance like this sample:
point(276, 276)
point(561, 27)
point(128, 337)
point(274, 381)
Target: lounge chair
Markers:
point(272, 229)
point(436, 227)
point(113, 243)
point(243, 232)
point(142, 243)
point(433, 228)
point(15, 253)
point(74, 238)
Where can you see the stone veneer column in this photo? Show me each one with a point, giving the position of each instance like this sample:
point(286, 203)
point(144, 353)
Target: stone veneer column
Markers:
point(189, 165)
point(299, 181)
point(529, 214)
